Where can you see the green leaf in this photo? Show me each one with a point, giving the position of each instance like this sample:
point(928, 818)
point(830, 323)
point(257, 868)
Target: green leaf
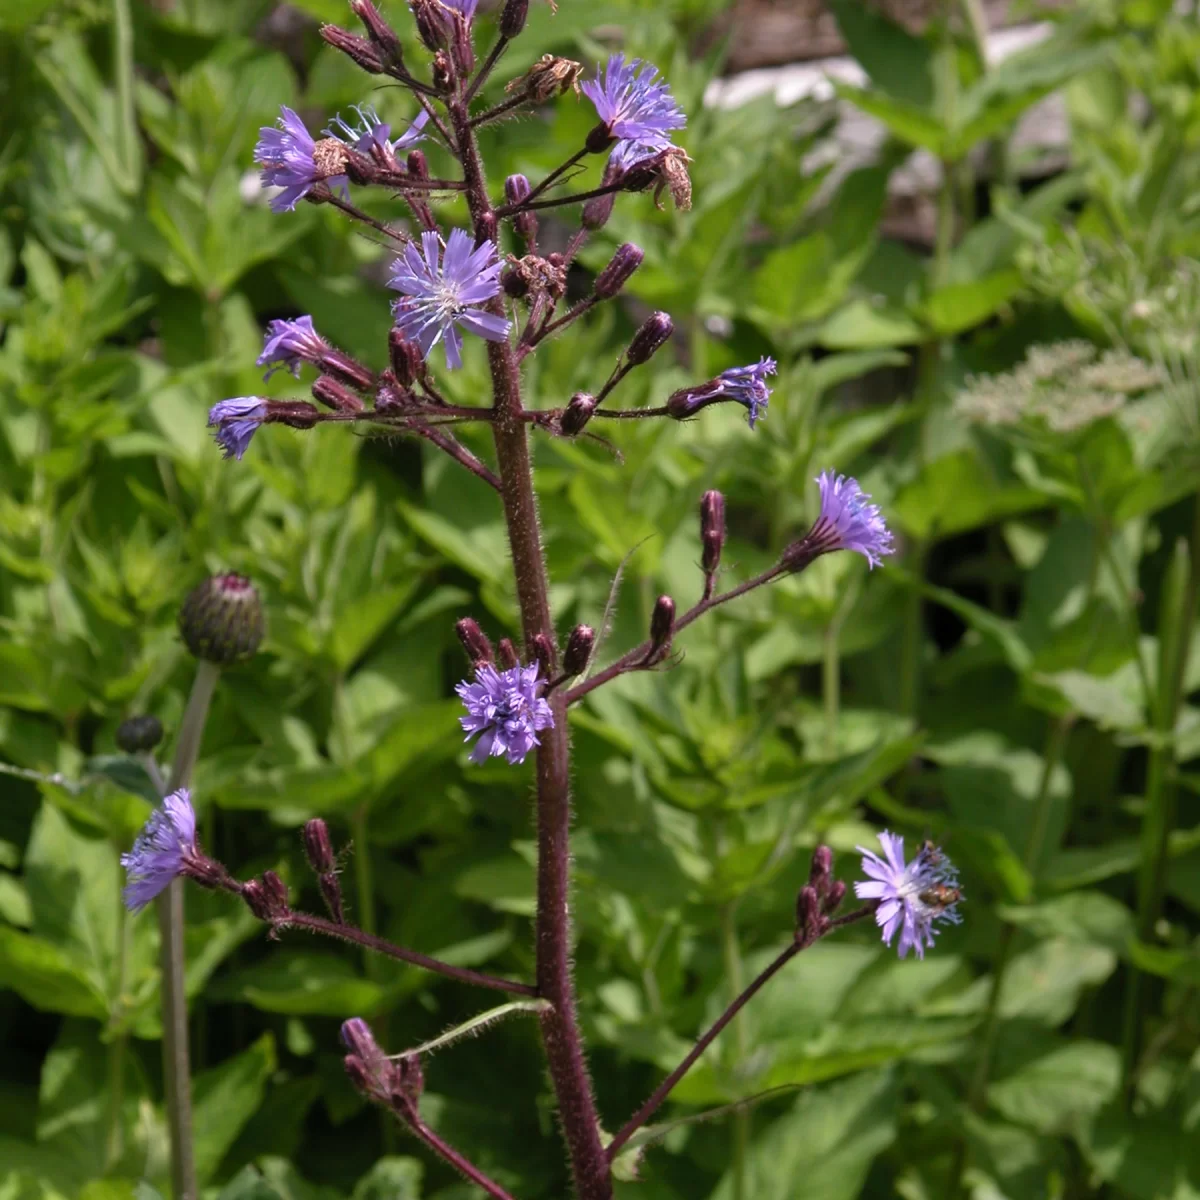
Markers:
point(909, 122)
point(224, 1098)
point(390, 1178)
point(1051, 1093)
point(828, 1140)
point(898, 63)
point(960, 306)
point(47, 977)
point(861, 325)
point(302, 983)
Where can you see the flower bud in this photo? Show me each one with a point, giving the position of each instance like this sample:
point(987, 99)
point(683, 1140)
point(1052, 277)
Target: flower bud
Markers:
point(418, 164)
point(808, 915)
point(486, 227)
point(331, 892)
point(654, 332)
point(298, 414)
point(381, 33)
point(407, 363)
point(276, 892)
point(433, 23)
point(834, 898)
point(662, 625)
point(506, 652)
point(356, 1072)
point(820, 870)
point(317, 847)
point(474, 642)
point(516, 189)
point(335, 395)
point(256, 899)
point(362, 52)
point(620, 267)
point(577, 413)
point(597, 210)
point(542, 653)
point(579, 650)
point(360, 1041)
point(409, 1076)
point(712, 530)
point(222, 620)
point(137, 735)
point(512, 18)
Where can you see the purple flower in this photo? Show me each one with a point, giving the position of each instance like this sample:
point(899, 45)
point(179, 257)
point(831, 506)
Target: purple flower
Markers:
point(163, 850)
point(912, 896)
point(289, 343)
point(236, 421)
point(744, 385)
point(370, 130)
point(465, 8)
point(848, 521)
point(440, 293)
point(504, 707)
point(635, 107)
point(288, 158)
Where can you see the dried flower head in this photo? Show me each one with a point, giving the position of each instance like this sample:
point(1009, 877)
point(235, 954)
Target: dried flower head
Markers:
point(441, 295)
point(912, 896)
point(505, 710)
point(548, 77)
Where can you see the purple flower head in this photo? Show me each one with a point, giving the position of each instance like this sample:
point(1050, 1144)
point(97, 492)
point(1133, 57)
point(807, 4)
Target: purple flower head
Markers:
point(743, 385)
point(465, 8)
point(288, 158)
point(505, 709)
point(441, 293)
point(748, 386)
point(236, 421)
point(289, 343)
point(163, 850)
point(912, 896)
point(848, 520)
point(370, 131)
point(635, 107)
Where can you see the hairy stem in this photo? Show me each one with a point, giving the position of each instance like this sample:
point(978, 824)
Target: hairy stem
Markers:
point(411, 1118)
point(371, 941)
point(552, 925)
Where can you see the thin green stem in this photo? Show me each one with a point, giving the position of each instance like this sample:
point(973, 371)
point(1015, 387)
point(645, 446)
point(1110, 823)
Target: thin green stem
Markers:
point(119, 1043)
point(912, 637)
point(127, 148)
point(1104, 540)
point(176, 1064)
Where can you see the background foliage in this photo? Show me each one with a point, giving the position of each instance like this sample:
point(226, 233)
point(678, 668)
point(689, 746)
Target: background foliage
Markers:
point(1015, 684)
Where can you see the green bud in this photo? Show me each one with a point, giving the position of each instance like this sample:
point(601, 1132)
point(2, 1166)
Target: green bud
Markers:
point(222, 620)
point(136, 735)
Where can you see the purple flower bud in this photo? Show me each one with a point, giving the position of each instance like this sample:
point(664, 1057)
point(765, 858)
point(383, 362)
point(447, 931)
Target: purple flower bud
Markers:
point(597, 210)
point(410, 1077)
point(654, 332)
point(577, 414)
point(542, 653)
point(276, 893)
point(847, 521)
point(357, 1073)
point(318, 849)
point(138, 735)
point(331, 893)
point(256, 900)
point(506, 652)
point(712, 530)
point(408, 364)
point(579, 650)
point(809, 923)
point(358, 49)
point(433, 23)
point(298, 414)
point(357, 1037)
point(505, 710)
point(381, 33)
point(512, 17)
point(820, 870)
point(474, 642)
point(336, 395)
point(662, 625)
point(222, 620)
point(834, 898)
point(418, 164)
point(617, 273)
point(235, 422)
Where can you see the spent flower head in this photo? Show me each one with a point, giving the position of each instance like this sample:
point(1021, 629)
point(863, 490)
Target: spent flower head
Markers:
point(635, 107)
point(912, 896)
point(163, 850)
point(504, 708)
point(442, 292)
point(234, 422)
